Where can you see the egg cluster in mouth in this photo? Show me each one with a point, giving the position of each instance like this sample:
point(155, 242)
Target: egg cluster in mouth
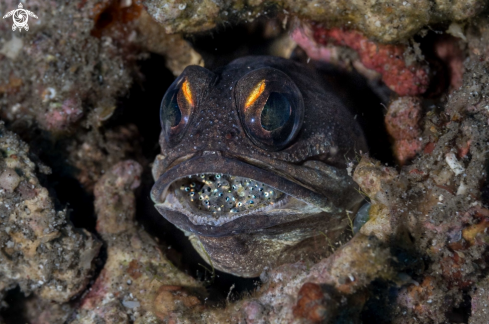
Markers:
point(223, 194)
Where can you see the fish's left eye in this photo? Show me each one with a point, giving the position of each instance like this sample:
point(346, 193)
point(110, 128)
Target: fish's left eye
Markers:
point(270, 108)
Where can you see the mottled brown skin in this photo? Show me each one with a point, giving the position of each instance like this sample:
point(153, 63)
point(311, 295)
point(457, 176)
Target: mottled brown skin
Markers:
point(311, 168)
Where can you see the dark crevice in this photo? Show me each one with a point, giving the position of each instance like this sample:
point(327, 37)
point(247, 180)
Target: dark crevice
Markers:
point(227, 43)
point(461, 313)
point(15, 313)
point(367, 105)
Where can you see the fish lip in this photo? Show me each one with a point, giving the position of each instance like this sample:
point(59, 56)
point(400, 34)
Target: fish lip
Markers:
point(215, 162)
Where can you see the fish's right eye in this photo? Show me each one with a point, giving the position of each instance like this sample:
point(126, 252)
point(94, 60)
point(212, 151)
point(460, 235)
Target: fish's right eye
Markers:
point(171, 114)
point(182, 100)
point(176, 107)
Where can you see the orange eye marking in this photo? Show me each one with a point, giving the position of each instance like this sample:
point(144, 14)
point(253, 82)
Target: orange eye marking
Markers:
point(255, 94)
point(187, 92)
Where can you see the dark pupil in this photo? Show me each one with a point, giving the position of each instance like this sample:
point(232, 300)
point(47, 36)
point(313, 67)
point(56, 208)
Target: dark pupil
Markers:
point(171, 114)
point(276, 111)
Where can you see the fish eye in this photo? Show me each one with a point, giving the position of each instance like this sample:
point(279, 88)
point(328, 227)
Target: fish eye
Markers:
point(171, 114)
point(176, 108)
point(173, 103)
point(270, 108)
point(181, 100)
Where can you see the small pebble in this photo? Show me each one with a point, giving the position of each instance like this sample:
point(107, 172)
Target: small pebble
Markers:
point(9, 179)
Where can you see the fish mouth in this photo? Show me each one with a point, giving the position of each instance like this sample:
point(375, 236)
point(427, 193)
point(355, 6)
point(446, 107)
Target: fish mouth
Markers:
point(211, 194)
point(217, 198)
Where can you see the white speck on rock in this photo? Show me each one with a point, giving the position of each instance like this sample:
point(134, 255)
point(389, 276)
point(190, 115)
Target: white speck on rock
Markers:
point(453, 163)
point(12, 48)
point(349, 168)
point(455, 30)
point(125, 3)
point(130, 303)
point(462, 189)
point(49, 94)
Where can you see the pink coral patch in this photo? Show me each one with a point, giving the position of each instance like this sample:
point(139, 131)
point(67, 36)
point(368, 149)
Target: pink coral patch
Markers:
point(388, 60)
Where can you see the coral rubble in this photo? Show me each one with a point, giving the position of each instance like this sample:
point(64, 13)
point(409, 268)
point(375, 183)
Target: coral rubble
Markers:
point(137, 284)
point(41, 251)
point(385, 21)
point(77, 59)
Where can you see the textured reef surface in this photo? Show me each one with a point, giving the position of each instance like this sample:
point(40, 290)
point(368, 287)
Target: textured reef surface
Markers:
point(80, 241)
